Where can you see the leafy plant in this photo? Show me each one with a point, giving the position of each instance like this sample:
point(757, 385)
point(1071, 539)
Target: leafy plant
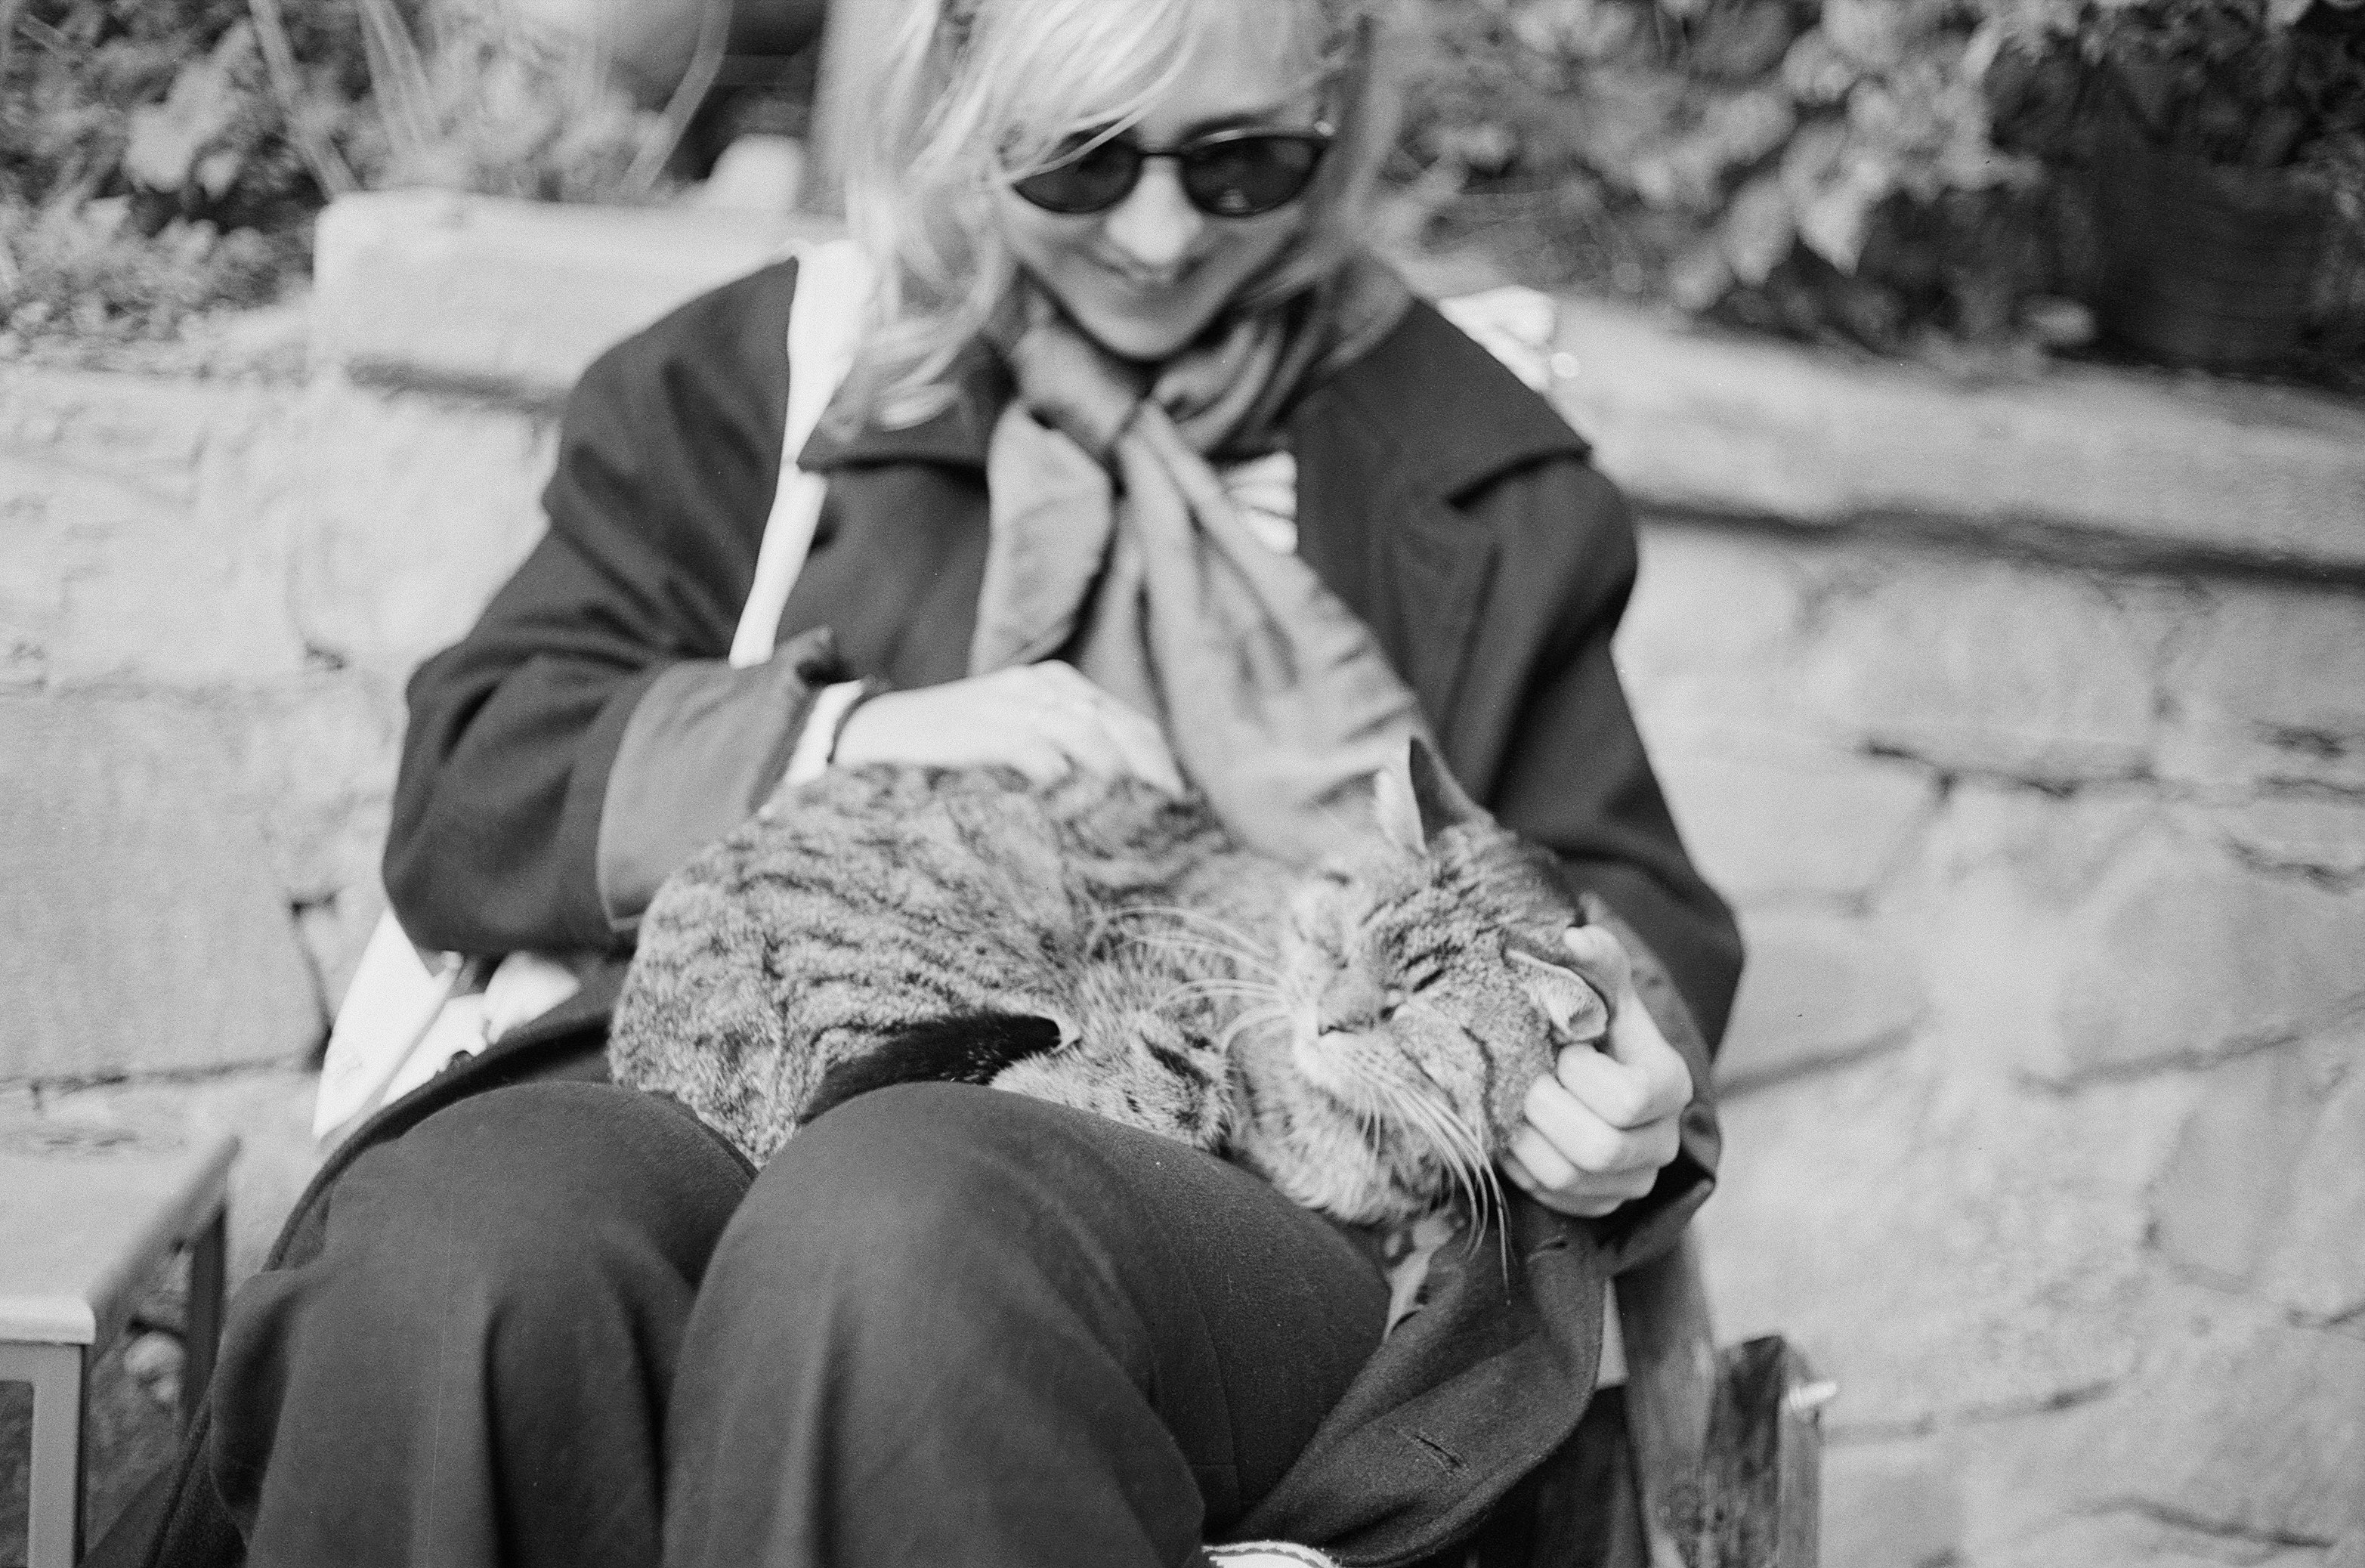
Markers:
point(162, 157)
point(1904, 175)
point(1777, 161)
point(2262, 84)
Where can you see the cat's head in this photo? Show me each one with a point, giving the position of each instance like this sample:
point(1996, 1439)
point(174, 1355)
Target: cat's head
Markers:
point(1427, 978)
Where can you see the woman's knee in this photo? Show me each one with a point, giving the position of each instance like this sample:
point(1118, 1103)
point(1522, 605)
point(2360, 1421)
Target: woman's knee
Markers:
point(932, 1190)
point(530, 1191)
point(918, 1157)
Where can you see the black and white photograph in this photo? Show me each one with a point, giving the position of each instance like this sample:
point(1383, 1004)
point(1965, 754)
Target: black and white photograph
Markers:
point(1181, 783)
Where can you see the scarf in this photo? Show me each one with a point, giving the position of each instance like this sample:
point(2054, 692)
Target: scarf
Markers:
point(1117, 543)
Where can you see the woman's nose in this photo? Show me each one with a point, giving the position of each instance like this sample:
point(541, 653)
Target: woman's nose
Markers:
point(1155, 225)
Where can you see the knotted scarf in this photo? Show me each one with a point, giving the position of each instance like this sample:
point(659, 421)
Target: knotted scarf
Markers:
point(1117, 545)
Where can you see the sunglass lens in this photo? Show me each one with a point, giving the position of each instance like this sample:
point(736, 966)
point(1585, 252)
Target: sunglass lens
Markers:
point(1249, 176)
point(1088, 179)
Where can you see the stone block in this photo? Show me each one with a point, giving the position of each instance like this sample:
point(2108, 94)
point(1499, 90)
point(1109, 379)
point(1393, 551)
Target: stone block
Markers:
point(2315, 837)
point(1944, 1246)
point(2219, 1204)
point(2110, 934)
point(482, 291)
point(147, 537)
point(1890, 1506)
point(2255, 1430)
point(2317, 1266)
point(1711, 634)
point(1766, 822)
point(1992, 899)
point(2271, 685)
point(2183, 953)
point(322, 754)
point(417, 511)
point(1818, 989)
point(2127, 1540)
point(2053, 849)
point(142, 927)
point(269, 1109)
point(1987, 668)
point(1703, 422)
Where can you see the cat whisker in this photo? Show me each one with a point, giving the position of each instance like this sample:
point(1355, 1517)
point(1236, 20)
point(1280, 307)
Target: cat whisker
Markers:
point(1219, 985)
point(1222, 928)
point(1256, 1018)
point(1464, 1154)
point(1188, 943)
point(1220, 935)
point(1439, 1126)
point(1472, 1147)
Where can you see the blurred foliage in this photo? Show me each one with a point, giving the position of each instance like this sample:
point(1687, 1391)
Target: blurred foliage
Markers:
point(1906, 175)
point(163, 157)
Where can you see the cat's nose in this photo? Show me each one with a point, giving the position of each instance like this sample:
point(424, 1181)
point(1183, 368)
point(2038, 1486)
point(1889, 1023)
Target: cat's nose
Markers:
point(1353, 1000)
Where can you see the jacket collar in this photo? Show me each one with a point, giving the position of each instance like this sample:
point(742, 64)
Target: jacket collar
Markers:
point(956, 437)
point(1454, 415)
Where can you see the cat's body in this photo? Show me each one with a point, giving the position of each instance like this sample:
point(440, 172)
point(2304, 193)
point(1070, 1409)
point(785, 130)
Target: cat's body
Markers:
point(1362, 1034)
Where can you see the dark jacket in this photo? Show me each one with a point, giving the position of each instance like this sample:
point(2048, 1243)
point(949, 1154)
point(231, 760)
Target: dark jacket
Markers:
point(1439, 497)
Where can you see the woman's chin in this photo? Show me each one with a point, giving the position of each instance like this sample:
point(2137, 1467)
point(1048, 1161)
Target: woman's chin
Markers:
point(1147, 337)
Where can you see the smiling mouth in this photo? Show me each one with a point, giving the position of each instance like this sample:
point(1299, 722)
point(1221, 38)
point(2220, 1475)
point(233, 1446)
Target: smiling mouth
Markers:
point(1141, 282)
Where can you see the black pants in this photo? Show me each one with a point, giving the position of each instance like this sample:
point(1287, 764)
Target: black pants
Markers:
point(555, 1324)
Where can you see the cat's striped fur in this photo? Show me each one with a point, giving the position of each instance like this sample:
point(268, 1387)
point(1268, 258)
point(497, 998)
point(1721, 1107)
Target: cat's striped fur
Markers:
point(1362, 1033)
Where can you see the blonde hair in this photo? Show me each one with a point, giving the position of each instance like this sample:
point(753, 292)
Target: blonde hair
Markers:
point(972, 86)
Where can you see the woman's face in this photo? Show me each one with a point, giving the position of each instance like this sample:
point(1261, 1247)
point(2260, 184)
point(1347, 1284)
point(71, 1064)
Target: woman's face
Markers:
point(1148, 274)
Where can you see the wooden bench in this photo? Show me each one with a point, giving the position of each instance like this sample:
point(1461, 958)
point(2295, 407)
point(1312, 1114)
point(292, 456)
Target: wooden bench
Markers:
point(87, 1214)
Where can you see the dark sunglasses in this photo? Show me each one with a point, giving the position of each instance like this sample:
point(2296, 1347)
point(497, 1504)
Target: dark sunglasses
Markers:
point(1226, 174)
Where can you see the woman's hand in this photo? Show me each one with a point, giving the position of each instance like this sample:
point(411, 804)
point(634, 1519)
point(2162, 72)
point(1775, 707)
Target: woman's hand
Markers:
point(1603, 1122)
point(1044, 720)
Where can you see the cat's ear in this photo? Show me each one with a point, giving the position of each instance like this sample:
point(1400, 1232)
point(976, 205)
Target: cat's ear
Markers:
point(1394, 810)
point(1439, 800)
point(1578, 1012)
point(1415, 798)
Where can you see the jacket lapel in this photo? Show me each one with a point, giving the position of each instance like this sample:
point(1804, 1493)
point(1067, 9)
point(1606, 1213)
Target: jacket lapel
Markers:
point(900, 554)
point(1389, 450)
point(1391, 546)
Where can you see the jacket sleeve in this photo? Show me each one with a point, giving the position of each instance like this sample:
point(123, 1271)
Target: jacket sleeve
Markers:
point(609, 642)
point(1576, 781)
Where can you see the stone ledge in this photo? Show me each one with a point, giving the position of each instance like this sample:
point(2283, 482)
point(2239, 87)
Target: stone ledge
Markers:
point(477, 294)
point(512, 298)
point(2138, 466)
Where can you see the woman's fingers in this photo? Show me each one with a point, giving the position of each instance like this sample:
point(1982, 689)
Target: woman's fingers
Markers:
point(1636, 1043)
point(1537, 1170)
point(1625, 1094)
point(1044, 720)
point(1539, 1162)
point(1100, 732)
point(1604, 1122)
point(1143, 746)
point(1588, 1141)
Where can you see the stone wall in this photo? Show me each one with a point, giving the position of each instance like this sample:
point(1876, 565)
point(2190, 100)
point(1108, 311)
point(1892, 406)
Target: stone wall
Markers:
point(2025, 725)
point(2047, 1088)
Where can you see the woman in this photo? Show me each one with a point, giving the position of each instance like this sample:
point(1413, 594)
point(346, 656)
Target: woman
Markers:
point(530, 1319)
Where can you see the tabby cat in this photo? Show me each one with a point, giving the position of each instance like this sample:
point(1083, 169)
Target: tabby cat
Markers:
point(1362, 1034)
